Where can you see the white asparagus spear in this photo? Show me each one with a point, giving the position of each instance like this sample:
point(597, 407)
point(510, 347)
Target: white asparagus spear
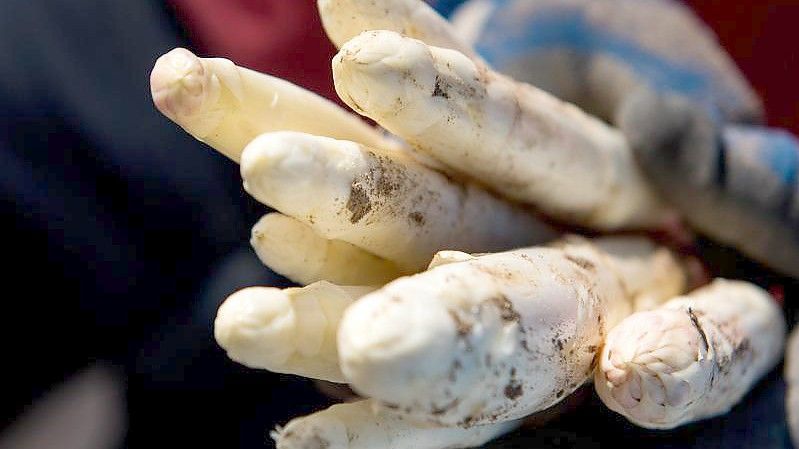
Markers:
point(286, 331)
point(646, 272)
point(511, 136)
point(403, 212)
point(649, 272)
point(357, 426)
point(693, 358)
point(345, 19)
point(292, 249)
point(792, 381)
point(226, 106)
point(481, 339)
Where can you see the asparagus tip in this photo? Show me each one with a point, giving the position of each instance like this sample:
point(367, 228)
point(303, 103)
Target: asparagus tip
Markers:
point(178, 83)
point(255, 326)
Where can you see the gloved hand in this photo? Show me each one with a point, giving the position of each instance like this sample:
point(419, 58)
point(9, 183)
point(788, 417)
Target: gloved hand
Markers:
point(654, 70)
point(458, 353)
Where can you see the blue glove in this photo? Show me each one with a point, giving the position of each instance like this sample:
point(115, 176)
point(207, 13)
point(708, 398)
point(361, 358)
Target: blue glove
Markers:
point(652, 68)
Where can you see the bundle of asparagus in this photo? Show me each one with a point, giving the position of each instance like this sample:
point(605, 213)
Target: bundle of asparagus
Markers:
point(421, 288)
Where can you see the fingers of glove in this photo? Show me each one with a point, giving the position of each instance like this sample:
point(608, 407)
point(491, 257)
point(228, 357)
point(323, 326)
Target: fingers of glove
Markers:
point(398, 210)
point(735, 184)
point(356, 425)
point(761, 165)
point(293, 249)
point(286, 330)
point(760, 168)
point(674, 139)
point(592, 51)
point(446, 7)
point(227, 106)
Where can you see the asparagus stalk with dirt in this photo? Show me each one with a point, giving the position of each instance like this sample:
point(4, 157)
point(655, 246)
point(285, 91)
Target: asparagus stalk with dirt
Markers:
point(650, 272)
point(488, 338)
point(693, 358)
point(398, 210)
point(227, 106)
point(294, 250)
point(345, 19)
point(289, 330)
point(357, 425)
point(513, 137)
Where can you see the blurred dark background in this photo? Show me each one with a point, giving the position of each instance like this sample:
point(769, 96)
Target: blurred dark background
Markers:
point(124, 233)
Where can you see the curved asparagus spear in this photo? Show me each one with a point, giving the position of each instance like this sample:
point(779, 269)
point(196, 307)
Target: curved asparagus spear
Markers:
point(357, 426)
point(292, 249)
point(345, 19)
point(481, 339)
point(513, 137)
point(286, 331)
point(403, 212)
point(693, 358)
point(227, 106)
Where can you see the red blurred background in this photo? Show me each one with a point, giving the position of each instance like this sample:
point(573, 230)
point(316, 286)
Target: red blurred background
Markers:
point(761, 37)
point(285, 39)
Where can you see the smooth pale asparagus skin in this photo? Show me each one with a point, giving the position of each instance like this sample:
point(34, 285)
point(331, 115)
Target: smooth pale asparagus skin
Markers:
point(396, 209)
point(651, 274)
point(286, 330)
point(227, 106)
point(345, 19)
point(357, 426)
point(292, 249)
point(481, 339)
point(693, 358)
point(513, 137)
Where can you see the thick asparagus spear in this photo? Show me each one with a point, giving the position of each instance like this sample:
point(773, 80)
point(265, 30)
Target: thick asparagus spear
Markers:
point(693, 358)
point(515, 138)
point(482, 339)
point(398, 210)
